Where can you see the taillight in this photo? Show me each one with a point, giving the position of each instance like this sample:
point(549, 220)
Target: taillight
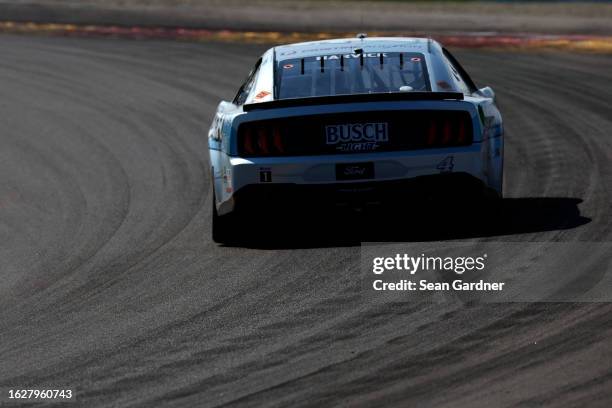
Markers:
point(461, 135)
point(447, 131)
point(432, 133)
point(248, 142)
point(278, 139)
point(261, 139)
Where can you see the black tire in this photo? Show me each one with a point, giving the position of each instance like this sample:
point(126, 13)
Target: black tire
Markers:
point(490, 208)
point(222, 225)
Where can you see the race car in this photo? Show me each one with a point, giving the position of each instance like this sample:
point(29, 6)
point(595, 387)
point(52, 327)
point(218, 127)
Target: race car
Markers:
point(353, 122)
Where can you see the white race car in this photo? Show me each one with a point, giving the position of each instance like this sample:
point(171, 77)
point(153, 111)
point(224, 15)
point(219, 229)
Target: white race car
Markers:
point(353, 122)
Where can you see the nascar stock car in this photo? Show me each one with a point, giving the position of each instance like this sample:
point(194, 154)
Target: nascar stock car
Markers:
point(353, 122)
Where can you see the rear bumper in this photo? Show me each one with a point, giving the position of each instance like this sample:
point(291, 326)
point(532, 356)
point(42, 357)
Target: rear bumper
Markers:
point(421, 190)
point(245, 182)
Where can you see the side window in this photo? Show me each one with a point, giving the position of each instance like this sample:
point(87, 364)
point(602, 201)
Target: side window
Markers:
point(461, 77)
point(244, 90)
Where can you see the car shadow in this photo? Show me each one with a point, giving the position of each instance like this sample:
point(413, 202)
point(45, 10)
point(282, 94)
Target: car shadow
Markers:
point(411, 224)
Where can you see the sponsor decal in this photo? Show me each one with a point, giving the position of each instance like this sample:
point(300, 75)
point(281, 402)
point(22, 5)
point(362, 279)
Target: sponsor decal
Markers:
point(226, 174)
point(262, 95)
point(443, 85)
point(415, 59)
point(288, 66)
point(347, 56)
point(357, 136)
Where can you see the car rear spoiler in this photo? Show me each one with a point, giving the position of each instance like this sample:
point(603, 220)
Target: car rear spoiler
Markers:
point(371, 97)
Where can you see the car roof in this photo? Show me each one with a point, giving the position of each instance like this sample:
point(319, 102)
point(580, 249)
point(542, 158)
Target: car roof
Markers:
point(342, 46)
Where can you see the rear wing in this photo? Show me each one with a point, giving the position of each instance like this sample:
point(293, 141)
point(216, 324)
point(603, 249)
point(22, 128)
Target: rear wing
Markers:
point(370, 97)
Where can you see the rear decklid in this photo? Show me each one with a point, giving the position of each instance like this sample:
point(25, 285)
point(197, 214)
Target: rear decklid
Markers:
point(288, 128)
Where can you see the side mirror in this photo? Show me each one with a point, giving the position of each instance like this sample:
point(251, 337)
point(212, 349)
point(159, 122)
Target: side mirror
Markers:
point(487, 92)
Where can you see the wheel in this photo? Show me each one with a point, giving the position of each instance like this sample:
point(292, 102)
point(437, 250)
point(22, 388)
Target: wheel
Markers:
point(490, 208)
point(222, 225)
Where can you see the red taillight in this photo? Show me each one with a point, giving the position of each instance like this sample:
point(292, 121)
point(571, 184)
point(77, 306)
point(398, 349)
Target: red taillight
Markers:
point(249, 147)
point(261, 139)
point(431, 133)
point(447, 131)
point(278, 139)
point(462, 133)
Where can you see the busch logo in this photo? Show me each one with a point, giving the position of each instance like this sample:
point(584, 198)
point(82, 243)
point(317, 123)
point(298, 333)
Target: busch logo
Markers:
point(357, 136)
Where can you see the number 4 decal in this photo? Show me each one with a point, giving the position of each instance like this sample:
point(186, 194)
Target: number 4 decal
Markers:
point(446, 165)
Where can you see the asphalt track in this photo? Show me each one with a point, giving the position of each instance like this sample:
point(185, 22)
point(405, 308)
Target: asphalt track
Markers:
point(111, 284)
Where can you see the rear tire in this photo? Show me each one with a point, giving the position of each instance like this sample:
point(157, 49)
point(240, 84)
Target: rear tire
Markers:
point(222, 225)
point(491, 209)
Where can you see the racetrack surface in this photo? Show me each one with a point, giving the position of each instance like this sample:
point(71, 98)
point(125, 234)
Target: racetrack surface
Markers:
point(111, 284)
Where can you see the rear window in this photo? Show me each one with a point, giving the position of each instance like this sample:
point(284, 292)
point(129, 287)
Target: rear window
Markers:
point(352, 74)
